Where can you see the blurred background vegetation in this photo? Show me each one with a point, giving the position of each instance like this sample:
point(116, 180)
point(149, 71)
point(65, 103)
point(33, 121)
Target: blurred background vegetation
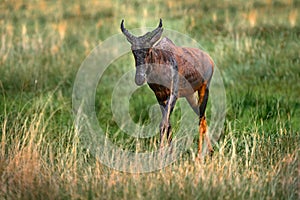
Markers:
point(255, 45)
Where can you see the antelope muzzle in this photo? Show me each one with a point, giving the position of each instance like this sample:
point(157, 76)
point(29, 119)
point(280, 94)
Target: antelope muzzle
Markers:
point(140, 76)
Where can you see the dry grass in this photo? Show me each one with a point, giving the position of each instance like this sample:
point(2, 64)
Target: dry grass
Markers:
point(33, 168)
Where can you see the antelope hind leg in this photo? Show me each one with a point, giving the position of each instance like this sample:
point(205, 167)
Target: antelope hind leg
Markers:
point(203, 98)
point(203, 133)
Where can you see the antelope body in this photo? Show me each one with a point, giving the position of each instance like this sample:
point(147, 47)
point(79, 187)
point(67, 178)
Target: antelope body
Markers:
point(172, 72)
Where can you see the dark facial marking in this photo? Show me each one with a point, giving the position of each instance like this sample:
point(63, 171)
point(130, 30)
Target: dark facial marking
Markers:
point(141, 67)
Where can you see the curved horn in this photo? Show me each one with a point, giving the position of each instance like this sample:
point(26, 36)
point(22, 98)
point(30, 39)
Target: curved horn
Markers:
point(158, 29)
point(153, 36)
point(150, 35)
point(160, 23)
point(128, 35)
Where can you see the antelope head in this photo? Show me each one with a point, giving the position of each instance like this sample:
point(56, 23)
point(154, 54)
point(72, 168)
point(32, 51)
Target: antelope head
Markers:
point(140, 47)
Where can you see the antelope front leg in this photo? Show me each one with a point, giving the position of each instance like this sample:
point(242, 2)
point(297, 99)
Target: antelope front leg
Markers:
point(165, 125)
point(165, 129)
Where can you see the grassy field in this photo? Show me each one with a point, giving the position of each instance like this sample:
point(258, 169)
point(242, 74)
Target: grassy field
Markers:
point(255, 45)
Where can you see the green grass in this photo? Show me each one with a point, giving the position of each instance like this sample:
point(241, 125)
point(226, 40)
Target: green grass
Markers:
point(255, 45)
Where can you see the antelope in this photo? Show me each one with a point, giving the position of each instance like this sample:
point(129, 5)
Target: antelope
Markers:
point(172, 72)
